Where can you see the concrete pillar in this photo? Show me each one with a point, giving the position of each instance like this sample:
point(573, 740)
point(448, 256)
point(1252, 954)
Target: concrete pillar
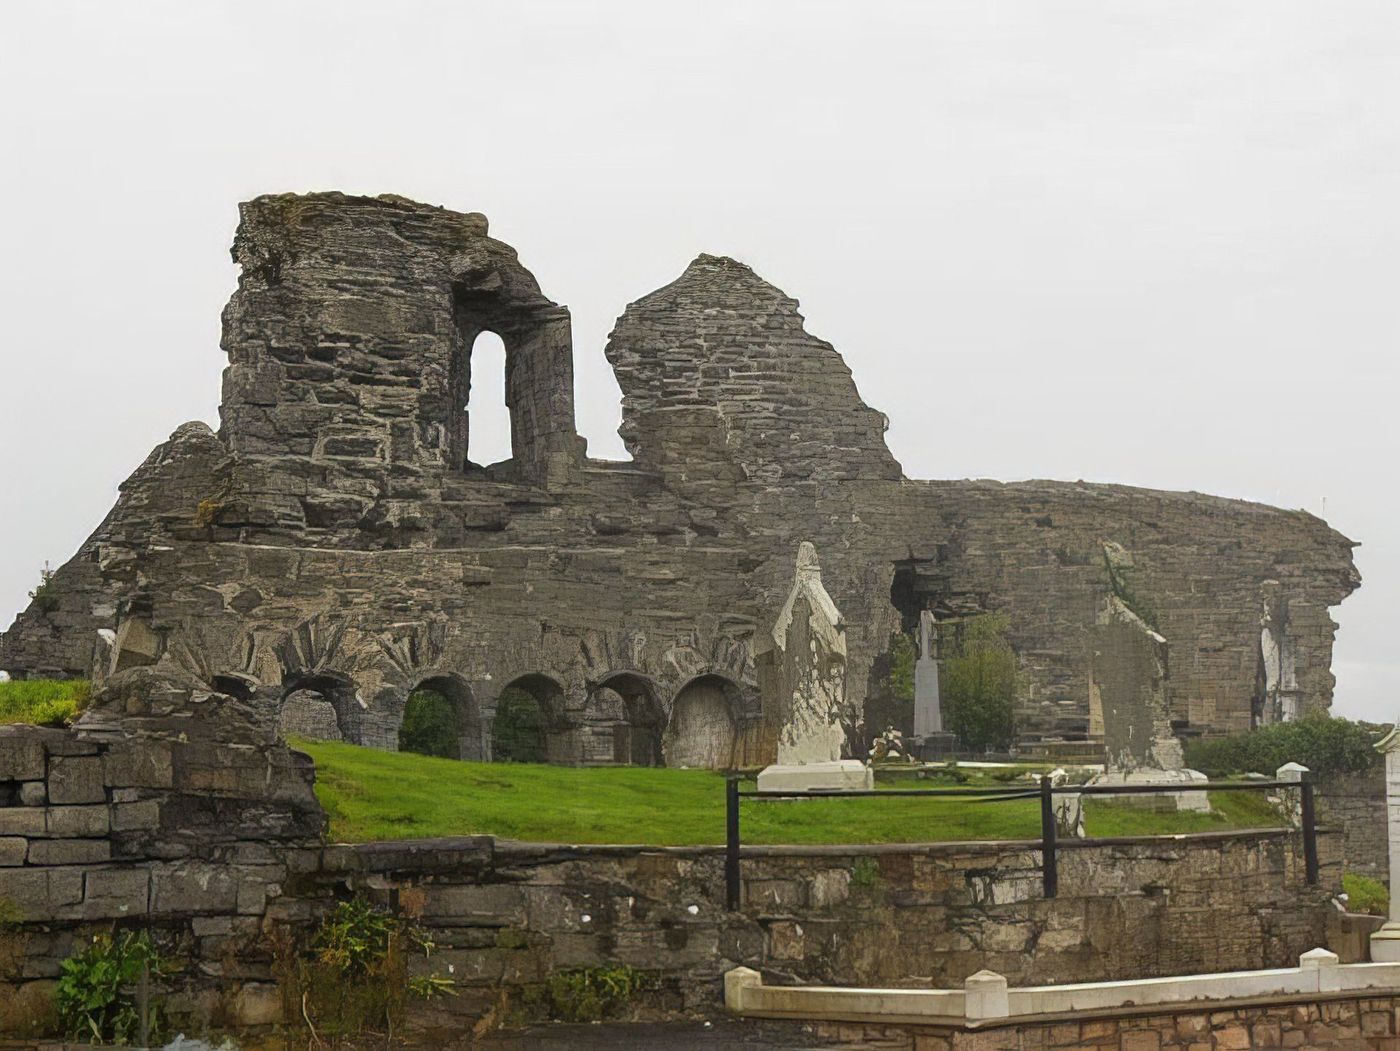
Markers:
point(1385, 943)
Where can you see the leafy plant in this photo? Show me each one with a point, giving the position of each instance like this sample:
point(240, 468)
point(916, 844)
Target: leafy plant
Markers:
point(1325, 744)
point(590, 994)
point(518, 729)
point(429, 725)
point(45, 596)
point(978, 684)
point(351, 978)
point(1366, 895)
point(96, 996)
point(865, 872)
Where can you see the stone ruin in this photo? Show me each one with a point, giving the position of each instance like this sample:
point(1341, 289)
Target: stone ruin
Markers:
point(334, 545)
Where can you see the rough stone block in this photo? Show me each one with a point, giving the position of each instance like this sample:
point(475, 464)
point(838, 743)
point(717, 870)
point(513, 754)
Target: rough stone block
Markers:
point(43, 893)
point(33, 793)
point(21, 755)
point(13, 850)
point(491, 905)
point(136, 817)
point(194, 887)
point(21, 821)
point(257, 1003)
point(139, 764)
point(115, 892)
point(69, 851)
point(76, 779)
point(78, 821)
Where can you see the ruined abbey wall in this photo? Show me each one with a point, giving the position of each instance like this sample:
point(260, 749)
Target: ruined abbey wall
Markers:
point(335, 535)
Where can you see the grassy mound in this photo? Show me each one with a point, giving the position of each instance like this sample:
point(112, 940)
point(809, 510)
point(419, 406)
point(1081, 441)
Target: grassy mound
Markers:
point(374, 795)
point(43, 702)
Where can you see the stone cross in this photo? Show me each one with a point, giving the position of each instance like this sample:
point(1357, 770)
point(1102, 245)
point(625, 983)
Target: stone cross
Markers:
point(928, 705)
point(1385, 943)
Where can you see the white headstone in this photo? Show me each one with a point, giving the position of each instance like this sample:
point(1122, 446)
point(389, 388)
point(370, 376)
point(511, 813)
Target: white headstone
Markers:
point(1385, 943)
point(928, 705)
point(804, 658)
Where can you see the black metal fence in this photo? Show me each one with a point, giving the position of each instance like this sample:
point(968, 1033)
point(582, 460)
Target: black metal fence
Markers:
point(1045, 792)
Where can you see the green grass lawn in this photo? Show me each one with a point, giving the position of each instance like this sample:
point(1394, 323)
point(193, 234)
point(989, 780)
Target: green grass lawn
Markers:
point(374, 795)
point(43, 702)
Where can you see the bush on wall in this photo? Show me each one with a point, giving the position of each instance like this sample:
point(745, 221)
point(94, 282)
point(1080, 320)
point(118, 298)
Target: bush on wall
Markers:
point(1327, 745)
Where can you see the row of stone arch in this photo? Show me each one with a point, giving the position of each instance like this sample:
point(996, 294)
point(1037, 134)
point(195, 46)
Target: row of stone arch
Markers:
point(622, 722)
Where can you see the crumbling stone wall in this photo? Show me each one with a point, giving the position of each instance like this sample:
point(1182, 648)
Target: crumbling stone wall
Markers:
point(171, 809)
point(335, 530)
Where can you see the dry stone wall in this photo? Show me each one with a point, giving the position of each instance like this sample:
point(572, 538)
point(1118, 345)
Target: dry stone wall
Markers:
point(335, 534)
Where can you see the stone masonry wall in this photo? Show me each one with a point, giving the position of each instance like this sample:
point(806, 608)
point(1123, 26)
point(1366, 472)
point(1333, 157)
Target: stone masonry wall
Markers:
point(172, 810)
point(505, 915)
point(336, 535)
point(178, 809)
point(1354, 806)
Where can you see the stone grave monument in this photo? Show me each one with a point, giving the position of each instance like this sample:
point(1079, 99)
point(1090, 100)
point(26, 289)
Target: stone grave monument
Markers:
point(802, 674)
point(931, 741)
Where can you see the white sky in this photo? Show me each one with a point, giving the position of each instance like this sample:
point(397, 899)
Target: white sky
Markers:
point(1148, 242)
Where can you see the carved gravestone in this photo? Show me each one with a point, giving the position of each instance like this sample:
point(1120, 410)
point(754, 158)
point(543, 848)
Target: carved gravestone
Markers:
point(1128, 687)
point(803, 674)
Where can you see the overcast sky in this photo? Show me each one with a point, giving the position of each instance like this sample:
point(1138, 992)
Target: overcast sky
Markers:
point(1152, 243)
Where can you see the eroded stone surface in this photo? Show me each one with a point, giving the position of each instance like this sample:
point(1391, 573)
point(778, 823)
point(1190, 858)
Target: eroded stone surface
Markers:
point(335, 535)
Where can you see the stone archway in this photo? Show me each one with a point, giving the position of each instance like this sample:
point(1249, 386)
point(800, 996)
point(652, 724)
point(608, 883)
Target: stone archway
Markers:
point(441, 718)
point(625, 705)
point(322, 707)
point(703, 731)
point(527, 726)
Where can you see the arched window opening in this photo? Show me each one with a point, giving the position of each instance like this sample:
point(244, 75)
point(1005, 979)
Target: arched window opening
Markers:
point(429, 725)
point(488, 415)
point(627, 720)
point(441, 718)
point(525, 714)
point(318, 707)
point(703, 731)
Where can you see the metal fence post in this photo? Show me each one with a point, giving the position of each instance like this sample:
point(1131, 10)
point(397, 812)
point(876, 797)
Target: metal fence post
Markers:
point(1309, 829)
point(731, 844)
point(1049, 869)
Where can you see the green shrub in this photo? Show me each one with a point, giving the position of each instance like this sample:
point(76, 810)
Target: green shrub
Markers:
point(45, 596)
point(429, 726)
point(1365, 894)
point(590, 994)
point(43, 702)
point(350, 979)
point(96, 995)
point(978, 684)
point(1326, 745)
point(517, 732)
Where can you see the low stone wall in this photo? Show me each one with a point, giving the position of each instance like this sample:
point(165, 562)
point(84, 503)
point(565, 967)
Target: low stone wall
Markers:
point(179, 810)
point(184, 815)
point(1354, 806)
point(506, 915)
